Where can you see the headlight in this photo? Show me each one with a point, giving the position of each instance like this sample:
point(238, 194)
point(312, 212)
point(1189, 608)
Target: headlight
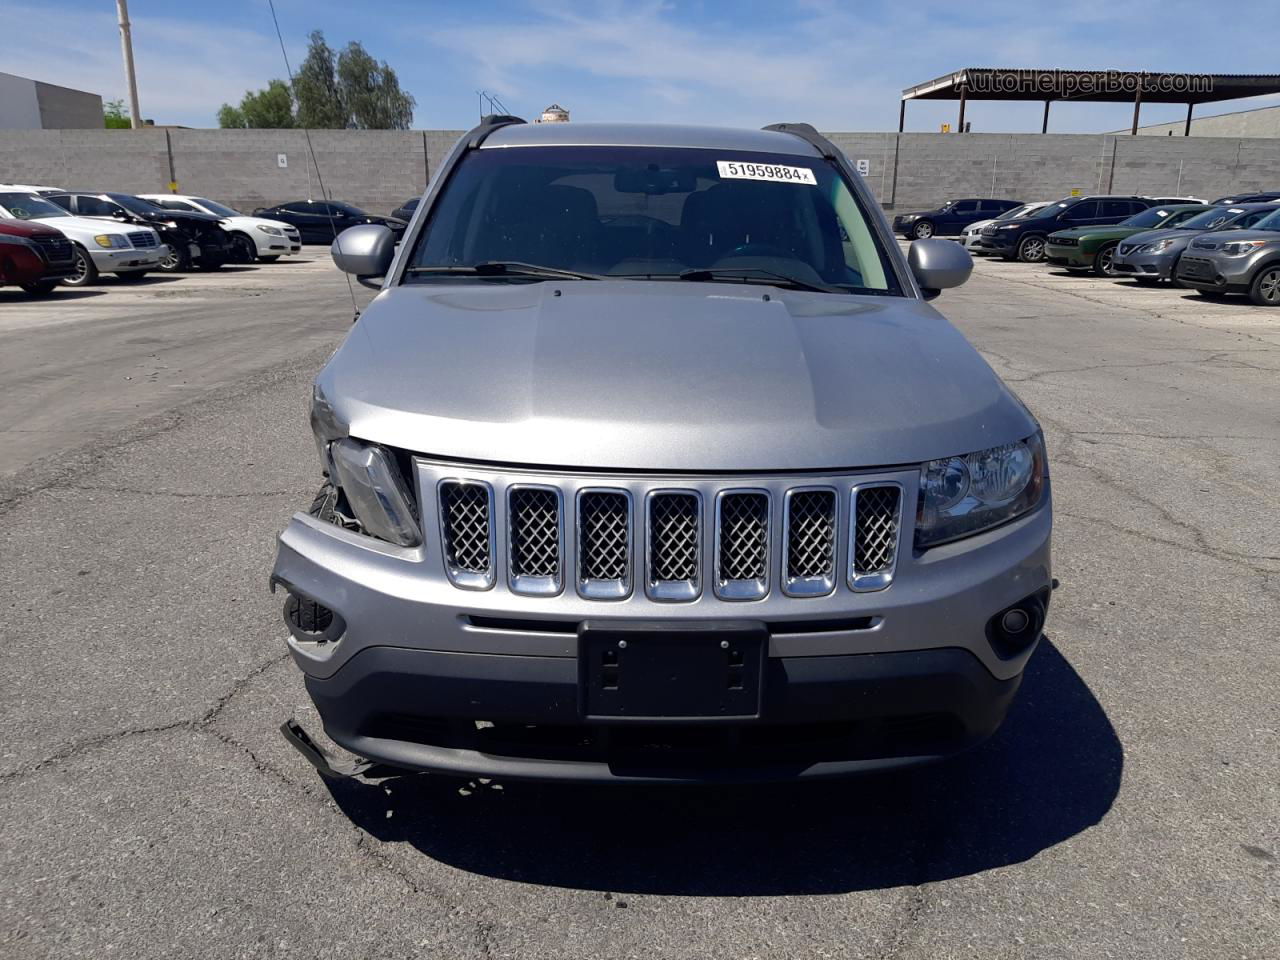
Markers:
point(961, 496)
point(369, 478)
point(1158, 246)
point(270, 231)
point(1009, 226)
point(1242, 247)
point(112, 241)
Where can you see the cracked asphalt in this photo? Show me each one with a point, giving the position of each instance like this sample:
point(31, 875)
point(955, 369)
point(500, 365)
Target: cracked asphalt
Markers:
point(156, 441)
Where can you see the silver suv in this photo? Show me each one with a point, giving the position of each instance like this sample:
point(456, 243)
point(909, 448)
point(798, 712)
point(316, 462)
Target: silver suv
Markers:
point(1243, 261)
point(651, 463)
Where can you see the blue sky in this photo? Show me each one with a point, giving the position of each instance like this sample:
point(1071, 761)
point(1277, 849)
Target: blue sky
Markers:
point(839, 65)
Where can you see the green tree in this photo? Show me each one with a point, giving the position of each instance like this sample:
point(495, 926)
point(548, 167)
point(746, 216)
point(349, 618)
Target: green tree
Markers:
point(315, 87)
point(115, 115)
point(371, 92)
point(271, 109)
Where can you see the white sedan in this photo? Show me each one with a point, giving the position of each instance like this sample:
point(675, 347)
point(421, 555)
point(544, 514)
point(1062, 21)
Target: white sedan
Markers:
point(253, 238)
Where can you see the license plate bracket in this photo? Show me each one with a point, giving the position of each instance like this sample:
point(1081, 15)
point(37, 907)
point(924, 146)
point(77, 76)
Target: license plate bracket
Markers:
point(671, 671)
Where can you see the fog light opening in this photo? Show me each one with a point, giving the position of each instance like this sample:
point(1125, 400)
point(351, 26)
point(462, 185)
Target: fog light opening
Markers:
point(1015, 621)
point(1014, 629)
point(310, 620)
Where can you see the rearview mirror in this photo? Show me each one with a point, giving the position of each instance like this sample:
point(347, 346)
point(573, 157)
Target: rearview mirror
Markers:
point(938, 264)
point(365, 250)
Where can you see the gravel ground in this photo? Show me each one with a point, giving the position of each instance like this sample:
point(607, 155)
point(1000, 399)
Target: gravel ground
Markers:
point(156, 441)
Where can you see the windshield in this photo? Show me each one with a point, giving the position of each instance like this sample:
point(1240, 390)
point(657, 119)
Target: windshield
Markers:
point(25, 206)
point(1270, 222)
point(1018, 213)
point(1210, 219)
point(351, 211)
point(217, 208)
point(135, 204)
point(1147, 218)
point(644, 212)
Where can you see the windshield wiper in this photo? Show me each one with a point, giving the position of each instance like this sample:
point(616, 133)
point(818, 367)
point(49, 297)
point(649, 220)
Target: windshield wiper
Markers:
point(504, 268)
point(759, 274)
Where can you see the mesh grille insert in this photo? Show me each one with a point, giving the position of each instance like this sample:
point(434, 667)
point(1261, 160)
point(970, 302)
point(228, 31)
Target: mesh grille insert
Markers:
point(811, 535)
point(744, 543)
point(875, 530)
point(673, 537)
point(603, 548)
point(465, 507)
point(535, 533)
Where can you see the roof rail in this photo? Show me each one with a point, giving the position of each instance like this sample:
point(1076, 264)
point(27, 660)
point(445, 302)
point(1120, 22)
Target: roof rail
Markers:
point(807, 133)
point(489, 123)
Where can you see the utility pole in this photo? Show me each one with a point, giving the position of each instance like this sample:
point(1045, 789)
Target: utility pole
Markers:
point(126, 47)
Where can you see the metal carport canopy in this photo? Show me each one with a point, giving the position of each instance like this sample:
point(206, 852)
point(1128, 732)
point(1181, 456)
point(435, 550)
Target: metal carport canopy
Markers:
point(1093, 86)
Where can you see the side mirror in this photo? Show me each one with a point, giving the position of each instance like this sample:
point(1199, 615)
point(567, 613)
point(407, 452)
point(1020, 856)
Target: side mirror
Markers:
point(365, 250)
point(938, 264)
point(119, 214)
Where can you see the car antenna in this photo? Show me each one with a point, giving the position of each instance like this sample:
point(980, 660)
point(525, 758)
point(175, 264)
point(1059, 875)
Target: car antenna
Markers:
point(311, 151)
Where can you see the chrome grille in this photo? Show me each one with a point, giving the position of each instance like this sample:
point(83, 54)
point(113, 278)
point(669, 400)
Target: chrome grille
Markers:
point(810, 553)
point(742, 553)
point(1064, 241)
point(874, 536)
point(533, 538)
point(604, 543)
point(675, 521)
point(466, 510)
point(143, 238)
point(56, 249)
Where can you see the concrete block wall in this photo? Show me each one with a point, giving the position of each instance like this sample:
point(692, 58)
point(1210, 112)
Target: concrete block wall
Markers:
point(379, 169)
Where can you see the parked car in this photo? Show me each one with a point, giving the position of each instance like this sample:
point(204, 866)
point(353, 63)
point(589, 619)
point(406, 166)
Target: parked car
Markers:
point(1168, 201)
point(1152, 256)
point(98, 246)
point(606, 503)
point(1025, 238)
point(1094, 248)
point(319, 222)
point(1238, 198)
point(191, 237)
point(252, 238)
point(1244, 261)
point(972, 236)
point(405, 210)
point(950, 219)
point(33, 256)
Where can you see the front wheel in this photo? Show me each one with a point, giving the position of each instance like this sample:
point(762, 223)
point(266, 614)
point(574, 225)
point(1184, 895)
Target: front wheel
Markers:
point(243, 249)
point(922, 230)
point(271, 259)
point(1104, 262)
point(175, 261)
point(86, 273)
point(1031, 249)
point(1265, 289)
point(41, 288)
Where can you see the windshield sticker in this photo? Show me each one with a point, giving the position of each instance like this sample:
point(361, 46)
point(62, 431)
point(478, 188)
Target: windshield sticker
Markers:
point(737, 170)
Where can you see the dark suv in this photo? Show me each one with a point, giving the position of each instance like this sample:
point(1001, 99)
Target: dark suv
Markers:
point(950, 219)
point(1025, 239)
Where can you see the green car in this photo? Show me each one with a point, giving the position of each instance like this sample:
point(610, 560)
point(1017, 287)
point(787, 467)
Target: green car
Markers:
point(1092, 248)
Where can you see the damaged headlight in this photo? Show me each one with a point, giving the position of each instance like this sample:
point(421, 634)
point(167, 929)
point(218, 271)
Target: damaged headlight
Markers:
point(961, 496)
point(367, 475)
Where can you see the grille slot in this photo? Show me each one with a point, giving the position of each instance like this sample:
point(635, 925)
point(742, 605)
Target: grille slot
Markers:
point(56, 249)
point(742, 550)
point(675, 554)
point(604, 544)
point(810, 552)
point(466, 519)
point(874, 535)
point(534, 540)
point(142, 238)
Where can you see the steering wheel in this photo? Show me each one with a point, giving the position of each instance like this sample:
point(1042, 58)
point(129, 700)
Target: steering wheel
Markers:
point(758, 250)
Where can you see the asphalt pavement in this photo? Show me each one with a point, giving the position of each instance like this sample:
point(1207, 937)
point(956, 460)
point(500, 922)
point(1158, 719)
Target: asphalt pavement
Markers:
point(156, 441)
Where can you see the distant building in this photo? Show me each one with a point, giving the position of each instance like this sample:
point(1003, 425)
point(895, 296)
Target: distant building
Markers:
point(34, 105)
point(554, 114)
point(1260, 122)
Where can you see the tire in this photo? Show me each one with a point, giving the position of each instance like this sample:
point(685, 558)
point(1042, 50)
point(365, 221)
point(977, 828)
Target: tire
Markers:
point(1265, 289)
point(1211, 294)
point(271, 259)
point(176, 261)
point(1031, 249)
point(41, 288)
point(86, 273)
point(243, 249)
point(131, 276)
point(1102, 261)
point(922, 230)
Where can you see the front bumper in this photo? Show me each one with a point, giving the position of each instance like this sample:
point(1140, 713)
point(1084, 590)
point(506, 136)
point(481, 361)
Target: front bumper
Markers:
point(1073, 258)
point(1215, 273)
point(421, 674)
point(1149, 266)
point(127, 261)
point(999, 244)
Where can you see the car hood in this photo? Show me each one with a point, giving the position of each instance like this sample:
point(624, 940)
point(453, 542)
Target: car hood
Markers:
point(1218, 238)
point(1105, 232)
point(976, 227)
point(27, 229)
point(89, 226)
point(670, 376)
point(248, 223)
point(1169, 233)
